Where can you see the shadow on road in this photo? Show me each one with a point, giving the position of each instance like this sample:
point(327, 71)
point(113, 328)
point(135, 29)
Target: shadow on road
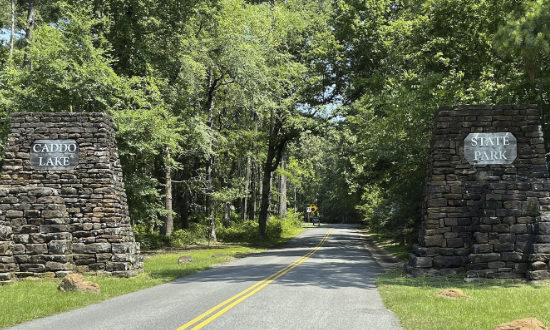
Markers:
point(341, 262)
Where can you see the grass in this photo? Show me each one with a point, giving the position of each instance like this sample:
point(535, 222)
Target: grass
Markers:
point(286, 236)
point(29, 299)
point(415, 301)
point(398, 250)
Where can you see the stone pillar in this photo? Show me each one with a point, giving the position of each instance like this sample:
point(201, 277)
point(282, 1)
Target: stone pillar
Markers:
point(7, 262)
point(486, 197)
point(41, 241)
point(75, 214)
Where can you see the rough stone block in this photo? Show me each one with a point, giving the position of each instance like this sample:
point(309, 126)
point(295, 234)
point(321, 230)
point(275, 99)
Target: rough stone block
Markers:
point(6, 248)
point(51, 214)
point(512, 256)
point(32, 268)
point(542, 228)
point(14, 214)
point(54, 228)
point(104, 257)
point(52, 266)
point(84, 259)
point(6, 233)
point(501, 228)
point(99, 247)
point(504, 247)
point(59, 246)
point(482, 248)
point(496, 264)
point(538, 275)
point(455, 242)
point(126, 247)
point(422, 262)
point(448, 261)
point(519, 228)
point(486, 257)
point(539, 265)
point(36, 248)
point(541, 248)
point(481, 237)
point(117, 266)
point(434, 240)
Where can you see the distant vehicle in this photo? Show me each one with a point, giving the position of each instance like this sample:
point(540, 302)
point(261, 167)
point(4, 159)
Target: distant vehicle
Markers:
point(316, 220)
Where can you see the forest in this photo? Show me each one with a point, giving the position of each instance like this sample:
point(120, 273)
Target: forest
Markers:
point(236, 114)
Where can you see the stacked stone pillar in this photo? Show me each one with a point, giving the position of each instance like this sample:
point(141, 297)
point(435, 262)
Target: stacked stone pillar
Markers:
point(488, 220)
point(57, 217)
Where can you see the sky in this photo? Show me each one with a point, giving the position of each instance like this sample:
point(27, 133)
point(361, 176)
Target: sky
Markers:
point(5, 35)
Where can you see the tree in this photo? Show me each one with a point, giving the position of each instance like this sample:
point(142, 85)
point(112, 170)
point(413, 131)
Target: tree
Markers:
point(405, 61)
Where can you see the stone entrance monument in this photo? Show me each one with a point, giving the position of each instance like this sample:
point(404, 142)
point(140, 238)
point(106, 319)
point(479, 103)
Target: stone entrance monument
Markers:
point(486, 205)
point(62, 200)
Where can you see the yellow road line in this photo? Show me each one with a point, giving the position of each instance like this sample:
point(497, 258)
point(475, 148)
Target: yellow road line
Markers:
point(245, 294)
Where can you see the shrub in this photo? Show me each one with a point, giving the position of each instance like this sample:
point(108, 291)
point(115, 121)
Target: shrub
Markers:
point(246, 231)
point(151, 241)
point(196, 233)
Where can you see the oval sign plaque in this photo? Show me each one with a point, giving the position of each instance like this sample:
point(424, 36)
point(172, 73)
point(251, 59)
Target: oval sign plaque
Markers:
point(56, 155)
point(490, 148)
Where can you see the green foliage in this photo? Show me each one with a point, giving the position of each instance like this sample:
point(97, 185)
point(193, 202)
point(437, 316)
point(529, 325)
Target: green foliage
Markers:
point(218, 92)
point(277, 230)
point(68, 72)
point(246, 231)
point(152, 240)
point(525, 38)
point(196, 233)
point(406, 61)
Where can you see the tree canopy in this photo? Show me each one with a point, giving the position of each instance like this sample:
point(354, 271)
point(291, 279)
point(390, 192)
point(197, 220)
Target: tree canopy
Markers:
point(233, 110)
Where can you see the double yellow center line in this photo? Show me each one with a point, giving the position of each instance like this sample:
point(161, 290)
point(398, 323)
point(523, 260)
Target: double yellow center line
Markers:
point(226, 305)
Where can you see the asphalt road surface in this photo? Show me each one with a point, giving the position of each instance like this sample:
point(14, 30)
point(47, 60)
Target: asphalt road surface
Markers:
point(323, 279)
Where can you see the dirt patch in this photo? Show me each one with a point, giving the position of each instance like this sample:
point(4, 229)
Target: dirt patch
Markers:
point(453, 294)
point(530, 323)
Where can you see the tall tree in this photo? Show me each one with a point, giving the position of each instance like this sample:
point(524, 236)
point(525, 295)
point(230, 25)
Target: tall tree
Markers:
point(12, 27)
point(29, 29)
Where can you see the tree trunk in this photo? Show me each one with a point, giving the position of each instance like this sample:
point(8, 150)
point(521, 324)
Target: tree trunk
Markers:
point(273, 203)
point(265, 194)
point(97, 29)
point(276, 146)
point(169, 224)
point(253, 192)
point(210, 197)
point(12, 31)
point(295, 200)
point(28, 33)
point(184, 209)
point(227, 215)
point(260, 190)
point(210, 104)
point(246, 188)
point(282, 192)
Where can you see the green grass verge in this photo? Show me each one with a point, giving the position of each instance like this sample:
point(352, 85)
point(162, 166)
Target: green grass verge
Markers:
point(286, 236)
point(415, 301)
point(29, 299)
point(398, 250)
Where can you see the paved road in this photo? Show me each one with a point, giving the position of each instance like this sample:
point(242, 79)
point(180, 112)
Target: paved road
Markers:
point(323, 279)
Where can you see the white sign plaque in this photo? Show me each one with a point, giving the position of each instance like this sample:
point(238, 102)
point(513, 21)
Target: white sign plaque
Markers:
point(56, 155)
point(490, 148)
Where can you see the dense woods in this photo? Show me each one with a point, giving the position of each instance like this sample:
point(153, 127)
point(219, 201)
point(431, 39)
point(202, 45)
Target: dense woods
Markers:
point(230, 112)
